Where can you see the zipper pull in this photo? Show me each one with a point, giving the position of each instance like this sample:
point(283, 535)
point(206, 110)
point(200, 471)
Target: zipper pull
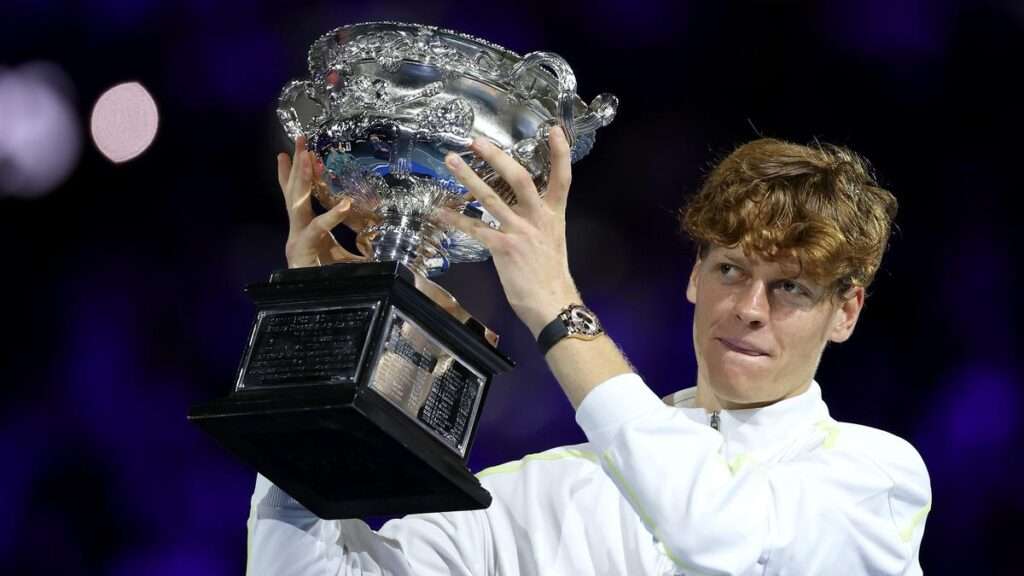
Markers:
point(714, 420)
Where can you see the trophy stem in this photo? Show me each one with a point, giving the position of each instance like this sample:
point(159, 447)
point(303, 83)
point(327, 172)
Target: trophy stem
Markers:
point(411, 240)
point(401, 150)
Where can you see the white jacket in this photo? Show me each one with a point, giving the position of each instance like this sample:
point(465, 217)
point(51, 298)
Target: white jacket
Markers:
point(777, 490)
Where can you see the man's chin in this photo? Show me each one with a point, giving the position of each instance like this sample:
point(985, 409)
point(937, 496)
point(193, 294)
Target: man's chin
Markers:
point(739, 390)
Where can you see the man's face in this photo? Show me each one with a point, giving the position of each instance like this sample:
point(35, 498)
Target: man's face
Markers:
point(760, 327)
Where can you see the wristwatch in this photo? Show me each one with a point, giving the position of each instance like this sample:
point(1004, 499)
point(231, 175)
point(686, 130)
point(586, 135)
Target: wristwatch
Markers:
point(575, 321)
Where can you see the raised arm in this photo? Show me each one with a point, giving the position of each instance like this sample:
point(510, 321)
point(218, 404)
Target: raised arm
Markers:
point(530, 256)
point(811, 515)
point(287, 539)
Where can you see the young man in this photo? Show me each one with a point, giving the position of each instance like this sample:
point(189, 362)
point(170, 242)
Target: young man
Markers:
point(745, 473)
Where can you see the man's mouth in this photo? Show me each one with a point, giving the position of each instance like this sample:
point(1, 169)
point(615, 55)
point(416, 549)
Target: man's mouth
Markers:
point(741, 347)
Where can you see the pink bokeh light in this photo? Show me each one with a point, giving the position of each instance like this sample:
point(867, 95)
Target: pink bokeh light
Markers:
point(124, 122)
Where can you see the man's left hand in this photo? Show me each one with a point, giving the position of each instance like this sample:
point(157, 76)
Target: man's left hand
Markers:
point(529, 250)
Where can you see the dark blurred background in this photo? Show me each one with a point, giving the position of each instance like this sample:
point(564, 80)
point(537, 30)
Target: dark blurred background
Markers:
point(121, 287)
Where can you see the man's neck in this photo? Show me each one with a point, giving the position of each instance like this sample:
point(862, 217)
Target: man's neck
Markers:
point(707, 399)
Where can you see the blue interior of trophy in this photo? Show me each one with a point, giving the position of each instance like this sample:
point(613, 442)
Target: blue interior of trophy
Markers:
point(401, 202)
point(348, 173)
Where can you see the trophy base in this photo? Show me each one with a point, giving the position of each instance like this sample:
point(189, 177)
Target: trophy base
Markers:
point(357, 394)
point(341, 458)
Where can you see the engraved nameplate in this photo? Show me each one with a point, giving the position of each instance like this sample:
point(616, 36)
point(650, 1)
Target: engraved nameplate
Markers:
point(303, 347)
point(425, 380)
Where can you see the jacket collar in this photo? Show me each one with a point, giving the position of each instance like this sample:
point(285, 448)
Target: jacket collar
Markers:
point(757, 429)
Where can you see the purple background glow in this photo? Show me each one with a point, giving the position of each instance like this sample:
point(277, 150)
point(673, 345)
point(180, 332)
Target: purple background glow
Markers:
point(121, 290)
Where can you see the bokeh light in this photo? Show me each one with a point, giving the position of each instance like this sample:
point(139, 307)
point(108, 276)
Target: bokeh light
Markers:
point(40, 142)
point(124, 121)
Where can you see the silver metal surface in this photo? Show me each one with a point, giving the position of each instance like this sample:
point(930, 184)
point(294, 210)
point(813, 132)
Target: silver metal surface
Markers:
point(426, 381)
point(386, 101)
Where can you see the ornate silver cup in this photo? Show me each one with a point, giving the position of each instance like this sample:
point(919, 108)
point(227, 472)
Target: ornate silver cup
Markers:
point(360, 388)
point(386, 101)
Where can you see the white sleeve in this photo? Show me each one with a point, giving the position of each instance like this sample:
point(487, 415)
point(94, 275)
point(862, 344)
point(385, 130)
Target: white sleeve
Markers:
point(287, 539)
point(830, 507)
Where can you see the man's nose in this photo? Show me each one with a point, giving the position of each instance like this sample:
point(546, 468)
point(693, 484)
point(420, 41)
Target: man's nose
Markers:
point(752, 307)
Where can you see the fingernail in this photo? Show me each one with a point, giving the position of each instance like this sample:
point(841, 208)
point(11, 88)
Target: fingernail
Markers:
point(345, 204)
point(452, 160)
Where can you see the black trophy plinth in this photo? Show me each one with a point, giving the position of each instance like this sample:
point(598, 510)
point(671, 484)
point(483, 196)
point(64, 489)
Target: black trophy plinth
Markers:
point(357, 394)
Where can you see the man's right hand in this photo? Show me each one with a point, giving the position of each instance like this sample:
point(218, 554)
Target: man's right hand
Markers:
point(310, 242)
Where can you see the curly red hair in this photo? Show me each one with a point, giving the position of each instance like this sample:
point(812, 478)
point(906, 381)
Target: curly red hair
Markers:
point(820, 205)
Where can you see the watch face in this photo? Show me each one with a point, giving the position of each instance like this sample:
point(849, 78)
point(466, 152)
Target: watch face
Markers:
point(583, 321)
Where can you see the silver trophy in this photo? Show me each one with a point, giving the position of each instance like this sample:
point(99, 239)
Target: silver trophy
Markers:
point(386, 101)
point(361, 386)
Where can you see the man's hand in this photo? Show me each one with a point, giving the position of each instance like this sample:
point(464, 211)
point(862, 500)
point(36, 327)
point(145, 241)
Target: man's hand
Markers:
point(530, 256)
point(310, 242)
point(529, 250)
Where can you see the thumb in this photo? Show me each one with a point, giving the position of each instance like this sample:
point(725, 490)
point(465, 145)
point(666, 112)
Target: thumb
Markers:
point(326, 222)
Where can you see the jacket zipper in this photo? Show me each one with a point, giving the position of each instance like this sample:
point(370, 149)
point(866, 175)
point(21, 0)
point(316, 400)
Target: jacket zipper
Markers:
point(714, 420)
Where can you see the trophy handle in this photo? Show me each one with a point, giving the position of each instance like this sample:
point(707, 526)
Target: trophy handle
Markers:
point(565, 78)
point(599, 114)
point(299, 108)
point(579, 130)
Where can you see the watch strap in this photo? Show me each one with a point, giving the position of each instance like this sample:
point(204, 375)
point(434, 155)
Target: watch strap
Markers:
point(552, 334)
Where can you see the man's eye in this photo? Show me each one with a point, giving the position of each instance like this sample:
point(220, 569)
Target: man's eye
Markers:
point(790, 287)
point(728, 273)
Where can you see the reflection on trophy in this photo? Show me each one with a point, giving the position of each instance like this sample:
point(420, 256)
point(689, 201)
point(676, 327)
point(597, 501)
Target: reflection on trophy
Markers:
point(361, 386)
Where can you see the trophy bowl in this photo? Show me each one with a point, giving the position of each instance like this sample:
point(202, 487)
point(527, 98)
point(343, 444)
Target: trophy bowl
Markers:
point(387, 101)
point(360, 388)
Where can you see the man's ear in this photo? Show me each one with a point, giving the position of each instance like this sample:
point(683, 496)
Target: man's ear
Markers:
point(691, 286)
point(846, 314)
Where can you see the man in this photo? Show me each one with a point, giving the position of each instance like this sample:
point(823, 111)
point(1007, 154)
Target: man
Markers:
point(745, 473)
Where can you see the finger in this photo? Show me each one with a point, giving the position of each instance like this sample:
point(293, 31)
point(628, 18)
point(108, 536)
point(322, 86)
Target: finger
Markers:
point(561, 169)
point(330, 251)
point(481, 191)
point(337, 253)
point(479, 230)
point(511, 171)
point(365, 245)
point(323, 224)
point(284, 167)
point(300, 210)
point(296, 172)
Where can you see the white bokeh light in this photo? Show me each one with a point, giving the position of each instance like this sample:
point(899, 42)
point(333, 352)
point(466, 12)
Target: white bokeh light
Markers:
point(124, 121)
point(40, 140)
